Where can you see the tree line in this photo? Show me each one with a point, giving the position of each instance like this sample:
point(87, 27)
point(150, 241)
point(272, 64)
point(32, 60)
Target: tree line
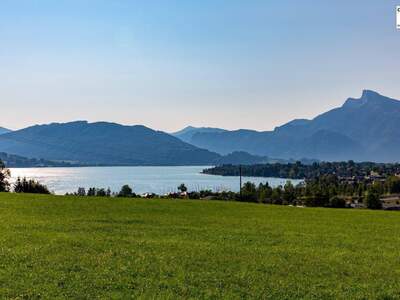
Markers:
point(323, 191)
point(299, 170)
point(21, 185)
point(17, 161)
point(326, 190)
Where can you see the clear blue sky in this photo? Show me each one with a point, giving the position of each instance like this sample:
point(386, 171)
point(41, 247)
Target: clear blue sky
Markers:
point(168, 64)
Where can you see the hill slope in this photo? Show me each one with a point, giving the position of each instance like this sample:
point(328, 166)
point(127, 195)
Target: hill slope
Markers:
point(103, 143)
point(102, 248)
point(187, 133)
point(16, 161)
point(361, 129)
point(4, 130)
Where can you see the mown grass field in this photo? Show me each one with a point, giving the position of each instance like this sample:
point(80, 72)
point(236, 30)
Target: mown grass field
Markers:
point(89, 248)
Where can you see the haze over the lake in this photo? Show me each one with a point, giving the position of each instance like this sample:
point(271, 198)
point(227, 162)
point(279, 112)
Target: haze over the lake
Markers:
point(168, 64)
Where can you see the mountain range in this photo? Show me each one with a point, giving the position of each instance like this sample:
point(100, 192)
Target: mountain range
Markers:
point(361, 129)
point(366, 128)
point(103, 143)
point(81, 143)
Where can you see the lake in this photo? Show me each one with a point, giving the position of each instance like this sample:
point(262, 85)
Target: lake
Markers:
point(159, 180)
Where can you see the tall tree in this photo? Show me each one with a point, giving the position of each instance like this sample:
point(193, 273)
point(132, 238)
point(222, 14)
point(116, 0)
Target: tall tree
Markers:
point(126, 191)
point(182, 187)
point(372, 200)
point(4, 176)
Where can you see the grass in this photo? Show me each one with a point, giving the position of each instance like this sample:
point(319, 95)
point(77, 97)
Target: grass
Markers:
point(94, 248)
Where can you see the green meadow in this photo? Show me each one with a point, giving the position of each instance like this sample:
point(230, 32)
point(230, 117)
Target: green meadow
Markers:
point(57, 247)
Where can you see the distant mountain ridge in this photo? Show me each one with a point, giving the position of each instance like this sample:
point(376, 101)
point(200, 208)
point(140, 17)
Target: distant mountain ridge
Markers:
point(366, 128)
point(104, 144)
point(101, 143)
point(361, 129)
point(188, 132)
point(241, 158)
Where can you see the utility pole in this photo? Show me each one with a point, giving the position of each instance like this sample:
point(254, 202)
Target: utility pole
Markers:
point(240, 180)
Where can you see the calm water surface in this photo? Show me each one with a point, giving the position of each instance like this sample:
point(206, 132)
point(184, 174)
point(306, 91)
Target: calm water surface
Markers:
point(159, 180)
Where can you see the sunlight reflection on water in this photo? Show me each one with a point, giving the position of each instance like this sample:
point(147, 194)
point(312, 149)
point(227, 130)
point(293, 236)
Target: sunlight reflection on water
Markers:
point(159, 180)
